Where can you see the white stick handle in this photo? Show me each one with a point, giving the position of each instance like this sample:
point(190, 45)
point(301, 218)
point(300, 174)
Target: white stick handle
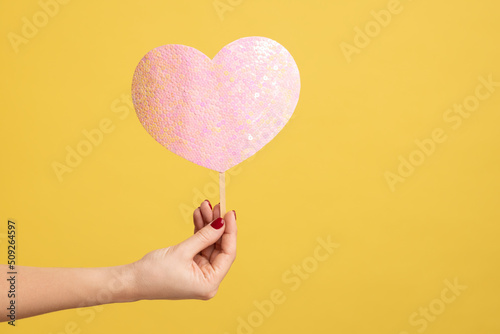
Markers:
point(222, 195)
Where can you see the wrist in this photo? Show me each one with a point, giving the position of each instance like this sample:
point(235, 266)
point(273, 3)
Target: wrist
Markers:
point(123, 283)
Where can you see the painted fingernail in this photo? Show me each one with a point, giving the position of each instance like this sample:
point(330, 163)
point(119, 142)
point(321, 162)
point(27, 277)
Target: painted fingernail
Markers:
point(234, 214)
point(210, 205)
point(218, 223)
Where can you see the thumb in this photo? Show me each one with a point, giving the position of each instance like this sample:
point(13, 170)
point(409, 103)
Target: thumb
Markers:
point(203, 238)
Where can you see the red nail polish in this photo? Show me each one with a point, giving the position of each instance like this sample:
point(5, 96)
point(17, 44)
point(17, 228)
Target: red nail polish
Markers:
point(210, 205)
point(218, 223)
point(234, 214)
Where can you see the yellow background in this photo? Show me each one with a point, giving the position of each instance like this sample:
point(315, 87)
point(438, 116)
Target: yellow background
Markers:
point(323, 175)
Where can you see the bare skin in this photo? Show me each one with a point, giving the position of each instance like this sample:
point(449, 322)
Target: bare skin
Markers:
point(192, 269)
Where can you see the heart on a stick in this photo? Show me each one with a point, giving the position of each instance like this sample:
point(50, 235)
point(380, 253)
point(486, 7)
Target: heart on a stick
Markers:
point(216, 112)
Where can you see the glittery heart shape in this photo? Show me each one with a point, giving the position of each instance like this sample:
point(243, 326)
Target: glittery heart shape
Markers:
point(216, 113)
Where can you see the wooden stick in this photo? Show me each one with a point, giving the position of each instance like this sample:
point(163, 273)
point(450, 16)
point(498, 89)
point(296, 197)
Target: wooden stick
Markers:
point(222, 194)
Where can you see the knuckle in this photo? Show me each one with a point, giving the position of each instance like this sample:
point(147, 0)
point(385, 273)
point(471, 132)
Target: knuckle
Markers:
point(203, 235)
point(209, 294)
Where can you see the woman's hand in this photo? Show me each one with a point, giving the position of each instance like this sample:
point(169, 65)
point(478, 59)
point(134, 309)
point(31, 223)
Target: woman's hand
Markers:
point(194, 268)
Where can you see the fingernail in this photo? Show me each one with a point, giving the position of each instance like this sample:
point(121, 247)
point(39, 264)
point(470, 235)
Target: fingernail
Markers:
point(218, 223)
point(234, 214)
point(210, 205)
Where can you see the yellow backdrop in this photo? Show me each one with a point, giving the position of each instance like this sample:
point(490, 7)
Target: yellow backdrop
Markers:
point(375, 210)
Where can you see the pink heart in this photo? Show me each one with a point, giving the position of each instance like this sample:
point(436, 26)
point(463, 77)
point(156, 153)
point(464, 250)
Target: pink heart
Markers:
point(216, 113)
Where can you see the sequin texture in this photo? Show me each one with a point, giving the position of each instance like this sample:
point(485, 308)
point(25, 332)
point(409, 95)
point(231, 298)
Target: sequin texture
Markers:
point(216, 113)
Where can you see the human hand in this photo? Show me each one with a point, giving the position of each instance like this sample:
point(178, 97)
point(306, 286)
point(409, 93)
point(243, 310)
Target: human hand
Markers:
point(194, 268)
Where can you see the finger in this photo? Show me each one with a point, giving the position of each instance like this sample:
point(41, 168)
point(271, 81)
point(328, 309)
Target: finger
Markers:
point(206, 212)
point(217, 244)
point(227, 254)
point(217, 214)
point(217, 211)
point(205, 237)
point(198, 220)
point(208, 217)
point(200, 261)
point(228, 242)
